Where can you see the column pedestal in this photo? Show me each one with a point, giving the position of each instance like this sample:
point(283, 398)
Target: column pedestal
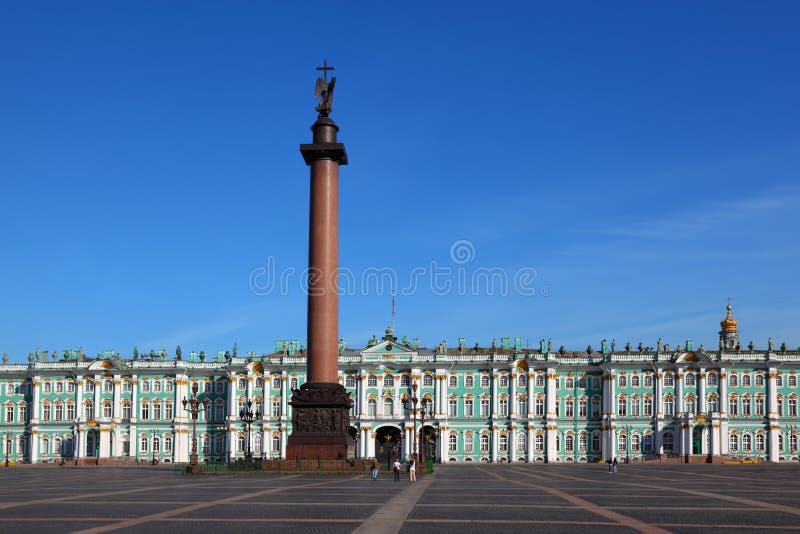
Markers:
point(320, 422)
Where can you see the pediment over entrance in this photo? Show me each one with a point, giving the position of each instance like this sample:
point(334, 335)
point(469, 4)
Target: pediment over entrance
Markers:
point(692, 357)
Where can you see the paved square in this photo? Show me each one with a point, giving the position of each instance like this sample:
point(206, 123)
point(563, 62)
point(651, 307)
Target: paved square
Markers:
point(458, 498)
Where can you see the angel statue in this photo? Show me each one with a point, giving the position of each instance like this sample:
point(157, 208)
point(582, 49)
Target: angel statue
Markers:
point(324, 91)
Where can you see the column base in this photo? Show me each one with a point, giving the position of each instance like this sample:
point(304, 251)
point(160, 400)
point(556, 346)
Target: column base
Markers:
point(320, 422)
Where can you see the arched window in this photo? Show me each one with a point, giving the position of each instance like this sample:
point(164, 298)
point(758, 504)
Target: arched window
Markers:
point(522, 380)
point(569, 443)
point(503, 442)
point(648, 406)
point(759, 381)
point(372, 381)
point(503, 381)
point(205, 444)
point(622, 381)
point(733, 405)
point(791, 381)
point(257, 440)
point(372, 408)
point(57, 447)
point(242, 383)
point(669, 403)
point(156, 444)
point(88, 411)
point(733, 381)
point(793, 442)
point(622, 443)
point(276, 443)
point(539, 380)
point(711, 379)
point(349, 381)
point(388, 381)
point(144, 443)
point(582, 442)
point(635, 381)
point(647, 443)
point(484, 381)
point(276, 382)
point(669, 380)
point(689, 380)
point(596, 442)
point(168, 444)
point(760, 442)
point(690, 404)
point(452, 382)
point(404, 381)
point(635, 442)
point(648, 381)
point(469, 381)
point(45, 445)
point(779, 380)
point(539, 443)
point(427, 380)
point(452, 443)
point(293, 383)
point(668, 441)
point(733, 443)
point(388, 406)
point(240, 443)
point(522, 442)
point(484, 443)
point(259, 383)
point(468, 443)
point(713, 403)
point(745, 381)
point(219, 443)
point(503, 405)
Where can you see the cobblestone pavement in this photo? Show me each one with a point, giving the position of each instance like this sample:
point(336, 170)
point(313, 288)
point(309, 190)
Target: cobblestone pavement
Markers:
point(458, 498)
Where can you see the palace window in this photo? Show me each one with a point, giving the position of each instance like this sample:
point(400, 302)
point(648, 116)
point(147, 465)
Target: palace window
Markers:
point(108, 386)
point(582, 408)
point(157, 444)
point(792, 407)
point(635, 407)
point(668, 442)
point(127, 386)
point(745, 381)
point(484, 407)
point(668, 405)
point(647, 443)
point(47, 387)
point(522, 442)
point(582, 443)
point(733, 381)
point(539, 443)
point(648, 407)
point(484, 443)
point(733, 405)
point(404, 381)
point(484, 381)
point(276, 443)
point(690, 404)
point(596, 382)
point(276, 382)
point(205, 444)
point(793, 442)
point(145, 411)
point(387, 407)
point(569, 410)
point(427, 381)
point(569, 443)
point(711, 379)
point(452, 443)
point(240, 443)
point(469, 381)
point(46, 413)
point(169, 386)
point(780, 442)
point(622, 381)
point(540, 380)
point(635, 381)
point(746, 406)
point(259, 383)
point(622, 406)
point(622, 443)
point(747, 442)
point(779, 380)
point(59, 387)
point(596, 442)
point(156, 386)
point(760, 442)
point(349, 381)
point(143, 444)
point(635, 442)
point(9, 413)
point(372, 408)
point(70, 387)
point(452, 381)
point(126, 410)
point(648, 381)
point(293, 383)
point(792, 381)
point(539, 406)
point(219, 444)
point(522, 380)
point(689, 380)
point(468, 408)
point(503, 442)
point(468, 443)
point(388, 381)
point(241, 384)
point(257, 443)
point(9, 389)
point(156, 411)
point(779, 406)
point(169, 411)
point(168, 445)
point(207, 387)
point(107, 409)
point(713, 403)
point(733, 443)
point(219, 387)
point(372, 381)
point(503, 381)
point(276, 408)
point(569, 383)
point(595, 407)
point(45, 447)
point(759, 406)
point(144, 387)
point(452, 408)
point(503, 407)
point(522, 406)
point(669, 380)
point(759, 381)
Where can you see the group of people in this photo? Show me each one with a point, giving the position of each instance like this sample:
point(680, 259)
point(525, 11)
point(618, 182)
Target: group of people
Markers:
point(396, 468)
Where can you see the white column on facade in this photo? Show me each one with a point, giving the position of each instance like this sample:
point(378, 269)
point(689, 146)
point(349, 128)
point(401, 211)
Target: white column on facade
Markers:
point(512, 444)
point(723, 397)
point(552, 393)
point(659, 391)
point(105, 442)
point(530, 389)
point(550, 443)
point(283, 441)
point(397, 406)
point(34, 446)
point(701, 392)
point(134, 407)
point(370, 442)
point(362, 441)
point(362, 393)
point(249, 385)
point(117, 406)
point(513, 394)
point(713, 436)
point(442, 444)
point(98, 405)
point(443, 391)
point(531, 440)
point(678, 406)
point(34, 407)
point(495, 394)
point(495, 443)
point(231, 394)
point(773, 453)
point(284, 401)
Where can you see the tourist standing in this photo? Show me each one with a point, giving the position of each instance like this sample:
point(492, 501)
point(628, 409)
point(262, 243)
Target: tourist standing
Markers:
point(375, 467)
point(412, 470)
point(614, 467)
point(396, 468)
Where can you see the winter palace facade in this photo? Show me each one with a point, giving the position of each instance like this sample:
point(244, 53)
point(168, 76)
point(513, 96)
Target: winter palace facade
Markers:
point(499, 403)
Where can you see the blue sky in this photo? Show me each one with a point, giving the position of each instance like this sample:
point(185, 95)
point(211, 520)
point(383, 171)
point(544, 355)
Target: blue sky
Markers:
point(642, 159)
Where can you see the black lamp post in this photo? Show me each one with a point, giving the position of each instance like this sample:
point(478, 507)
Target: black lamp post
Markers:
point(247, 416)
point(423, 410)
point(195, 406)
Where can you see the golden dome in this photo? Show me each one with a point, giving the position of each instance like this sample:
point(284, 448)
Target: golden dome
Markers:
point(728, 324)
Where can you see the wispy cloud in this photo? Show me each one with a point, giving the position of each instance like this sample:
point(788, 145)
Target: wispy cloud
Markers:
point(238, 320)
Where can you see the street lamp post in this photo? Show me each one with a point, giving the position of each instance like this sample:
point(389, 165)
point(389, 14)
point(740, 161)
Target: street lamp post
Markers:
point(424, 411)
point(247, 416)
point(8, 447)
point(195, 406)
point(154, 448)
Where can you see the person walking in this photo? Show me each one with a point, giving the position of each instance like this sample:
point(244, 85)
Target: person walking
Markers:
point(396, 469)
point(375, 467)
point(412, 470)
point(614, 467)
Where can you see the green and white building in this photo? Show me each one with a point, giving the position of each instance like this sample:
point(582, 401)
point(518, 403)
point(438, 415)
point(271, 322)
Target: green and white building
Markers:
point(499, 403)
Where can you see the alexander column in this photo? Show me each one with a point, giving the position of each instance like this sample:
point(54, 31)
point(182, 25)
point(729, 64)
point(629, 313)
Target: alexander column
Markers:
point(321, 408)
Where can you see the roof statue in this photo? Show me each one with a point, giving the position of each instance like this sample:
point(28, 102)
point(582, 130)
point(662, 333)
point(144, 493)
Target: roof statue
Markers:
point(324, 91)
